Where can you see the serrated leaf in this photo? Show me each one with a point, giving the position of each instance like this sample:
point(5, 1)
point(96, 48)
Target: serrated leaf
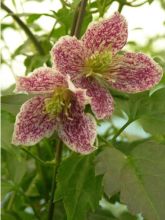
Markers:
point(154, 119)
point(154, 125)
point(148, 109)
point(106, 163)
point(78, 186)
point(140, 178)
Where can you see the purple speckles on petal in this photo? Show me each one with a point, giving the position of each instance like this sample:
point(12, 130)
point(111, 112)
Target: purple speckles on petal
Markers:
point(42, 80)
point(136, 72)
point(111, 32)
point(32, 124)
point(79, 130)
point(68, 55)
point(101, 100)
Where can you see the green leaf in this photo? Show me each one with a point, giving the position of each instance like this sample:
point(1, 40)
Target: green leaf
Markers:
point(16, 167)
point(101, 214)
point(154, 119)
point(58, 32)
point(8, 91)
point(148, 109)
point(155, 125)
point(75, 4)
point(24, 49)
point(110, 163)
point(33, 17)
point(134, 106)
point(59, 212)
point(78, 186)
point(87, 19)
point(140, 178)
point(7, 123)
point(4, 26)
point(6, 216)
point(12, 103)
point(64, 16)
point(109, 211)
point(34, 61)
point(6, 187)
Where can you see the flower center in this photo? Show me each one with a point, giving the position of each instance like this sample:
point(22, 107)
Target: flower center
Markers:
point(98, 64)
point(58, 102)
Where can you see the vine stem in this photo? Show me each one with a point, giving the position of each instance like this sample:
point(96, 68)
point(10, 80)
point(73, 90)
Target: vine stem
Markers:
point(120, 7)
point(25, 28)
point(75, 30)
point(58, 160)
point(80, 18)
point(121, 130)
point(75, 20)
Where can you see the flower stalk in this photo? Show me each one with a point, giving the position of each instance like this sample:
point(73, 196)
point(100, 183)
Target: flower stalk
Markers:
point(121, 130)
point(58, 160)
point(80, 18)
point(75, 30)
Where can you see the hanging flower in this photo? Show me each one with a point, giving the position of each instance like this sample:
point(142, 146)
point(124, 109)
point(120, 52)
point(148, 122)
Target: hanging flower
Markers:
point(58, 105)
point(95, 62)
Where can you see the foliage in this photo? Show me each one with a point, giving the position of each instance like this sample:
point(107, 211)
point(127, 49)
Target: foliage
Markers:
point(88, 187)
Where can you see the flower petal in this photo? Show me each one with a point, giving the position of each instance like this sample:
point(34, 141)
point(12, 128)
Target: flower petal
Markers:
point(32, 124)
point(110, 32)
point(68, 55)
point(101, 100)
point(42, 80)
point(79, 94)
point(78, 131)
point(136, 72)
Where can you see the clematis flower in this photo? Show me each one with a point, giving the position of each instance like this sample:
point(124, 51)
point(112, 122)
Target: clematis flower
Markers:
point(58, 105)
point(94, 63)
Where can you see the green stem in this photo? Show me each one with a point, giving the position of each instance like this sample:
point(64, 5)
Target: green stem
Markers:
point(75, 30)
point(121, 130)
point(80, 18)
point(25, 28)
point(42, 172)
point(120, 7)
point(137, 5)
point(64, 3)
point(58, 160)
point(11, 200)
point(75, 20)
point(44, 163)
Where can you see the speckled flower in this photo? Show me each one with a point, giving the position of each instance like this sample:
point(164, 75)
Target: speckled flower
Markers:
point(94, 63)
point(58, 105)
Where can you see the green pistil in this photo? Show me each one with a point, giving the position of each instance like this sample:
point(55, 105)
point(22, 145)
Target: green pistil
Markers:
point(59, 102)
point(98, 64)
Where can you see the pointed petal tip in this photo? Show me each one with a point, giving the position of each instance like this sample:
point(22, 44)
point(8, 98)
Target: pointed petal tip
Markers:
point(137, 73)
point(101, 34)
